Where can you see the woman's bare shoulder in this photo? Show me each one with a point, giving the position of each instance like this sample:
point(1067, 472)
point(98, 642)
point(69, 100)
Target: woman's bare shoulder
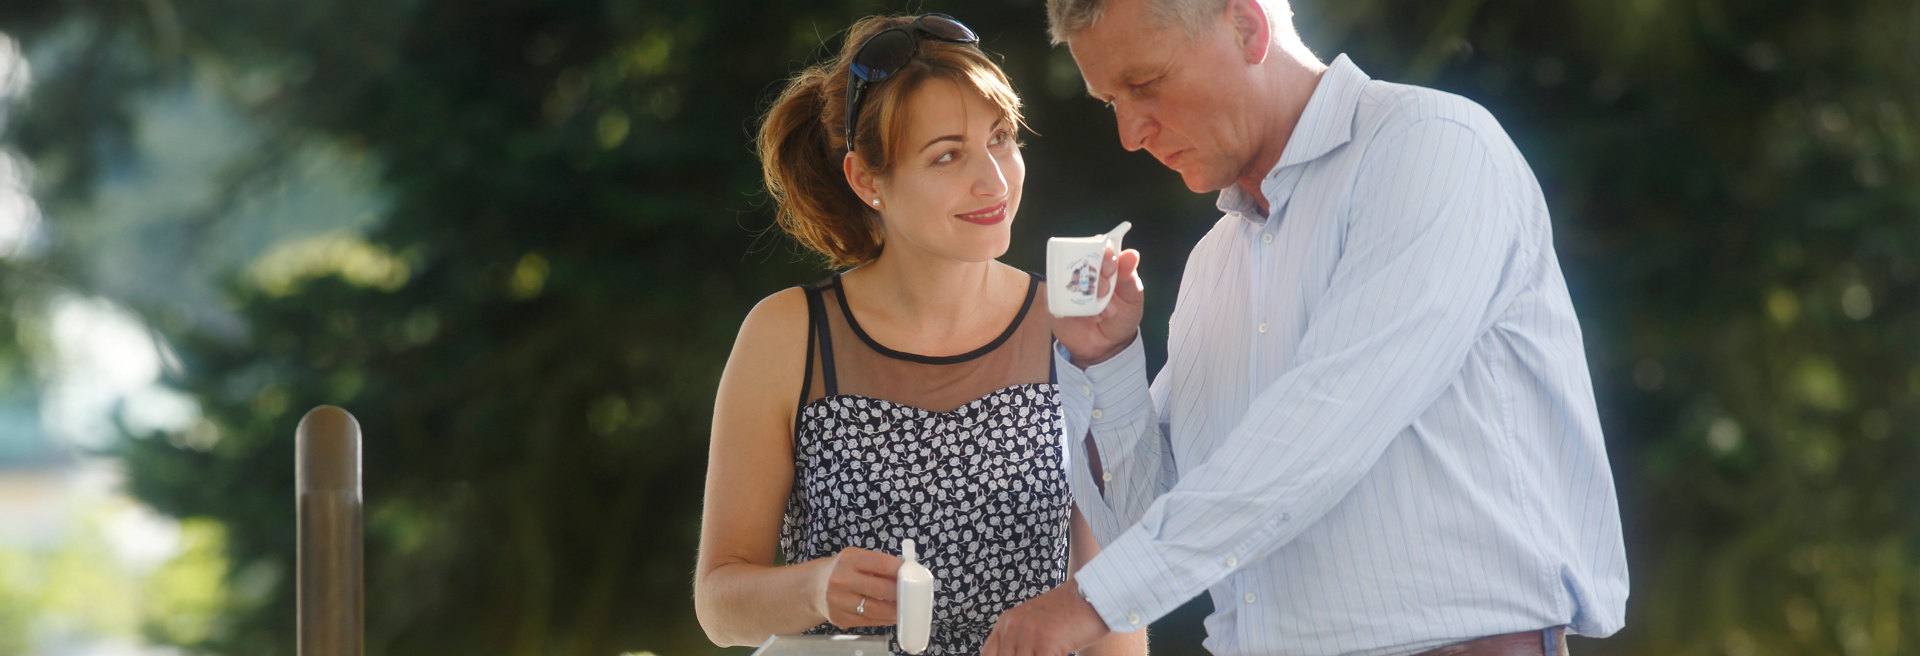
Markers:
point(771, 349)
point(781, 317)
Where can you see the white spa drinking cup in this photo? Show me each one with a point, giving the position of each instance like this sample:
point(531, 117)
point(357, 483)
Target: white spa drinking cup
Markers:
point(1073, 272)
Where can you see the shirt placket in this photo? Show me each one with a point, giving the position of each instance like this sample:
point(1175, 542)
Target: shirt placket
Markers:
point(1263, 264)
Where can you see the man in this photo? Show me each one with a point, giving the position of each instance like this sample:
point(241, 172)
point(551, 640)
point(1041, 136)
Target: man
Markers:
point(1375, 432)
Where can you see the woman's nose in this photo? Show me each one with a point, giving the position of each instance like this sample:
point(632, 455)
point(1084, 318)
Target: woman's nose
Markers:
point(991, 181)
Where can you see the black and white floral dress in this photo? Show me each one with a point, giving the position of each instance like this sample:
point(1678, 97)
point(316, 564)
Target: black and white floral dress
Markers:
point(961, 453)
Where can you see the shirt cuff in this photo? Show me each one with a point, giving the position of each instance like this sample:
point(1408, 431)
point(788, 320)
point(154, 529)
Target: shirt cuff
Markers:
point(1076, 391)
point(1129, 584)
point(1108, 393)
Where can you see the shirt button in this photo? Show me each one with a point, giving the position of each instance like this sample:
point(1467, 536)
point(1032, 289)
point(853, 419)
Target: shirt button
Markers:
point(1231, 562)
point(1249, 597)
point(1085, 389)
point(1263, 329)
point(1266, 238)
point(1096, 413)
point(1106, 476)
point(1133, 618)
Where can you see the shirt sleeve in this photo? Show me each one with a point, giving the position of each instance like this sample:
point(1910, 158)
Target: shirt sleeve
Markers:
point(1432, 230)
point(1112, 404)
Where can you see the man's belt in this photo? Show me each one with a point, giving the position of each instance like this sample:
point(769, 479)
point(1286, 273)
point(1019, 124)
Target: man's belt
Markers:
point(1524, 643)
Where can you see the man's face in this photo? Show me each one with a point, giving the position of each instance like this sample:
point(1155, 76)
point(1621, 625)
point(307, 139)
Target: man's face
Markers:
point(1183, 100)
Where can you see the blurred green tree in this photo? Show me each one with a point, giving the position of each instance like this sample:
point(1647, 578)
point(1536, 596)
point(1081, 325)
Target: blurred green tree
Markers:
point(570, 227)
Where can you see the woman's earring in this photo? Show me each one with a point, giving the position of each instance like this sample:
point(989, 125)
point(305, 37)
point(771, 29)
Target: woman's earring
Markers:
point(876, 202)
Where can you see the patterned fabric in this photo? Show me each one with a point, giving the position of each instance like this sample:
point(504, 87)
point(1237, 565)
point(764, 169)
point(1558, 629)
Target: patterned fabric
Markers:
point(1375, 433)
point(981, 489)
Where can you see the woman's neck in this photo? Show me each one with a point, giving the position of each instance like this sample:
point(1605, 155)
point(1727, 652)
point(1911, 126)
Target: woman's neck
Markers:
point(927, 304)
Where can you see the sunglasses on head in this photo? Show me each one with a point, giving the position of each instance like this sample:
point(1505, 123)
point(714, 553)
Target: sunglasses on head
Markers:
point(889, 51)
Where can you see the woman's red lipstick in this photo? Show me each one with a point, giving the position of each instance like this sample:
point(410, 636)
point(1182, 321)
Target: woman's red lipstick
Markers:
point(986, 217)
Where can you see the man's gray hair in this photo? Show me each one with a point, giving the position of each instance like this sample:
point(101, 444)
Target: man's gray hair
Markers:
point(1066, 18)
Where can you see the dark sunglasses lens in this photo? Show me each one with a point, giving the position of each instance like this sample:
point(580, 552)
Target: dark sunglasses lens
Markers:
point(945, 27)
point(883, 55)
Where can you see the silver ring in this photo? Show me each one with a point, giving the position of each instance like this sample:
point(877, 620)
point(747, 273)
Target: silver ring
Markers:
point(862, 608)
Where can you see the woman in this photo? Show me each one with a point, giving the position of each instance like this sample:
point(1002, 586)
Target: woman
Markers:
point(909, 397)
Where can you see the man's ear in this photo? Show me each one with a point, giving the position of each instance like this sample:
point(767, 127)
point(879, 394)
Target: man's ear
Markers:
point(1252, 32)
point(861, 179)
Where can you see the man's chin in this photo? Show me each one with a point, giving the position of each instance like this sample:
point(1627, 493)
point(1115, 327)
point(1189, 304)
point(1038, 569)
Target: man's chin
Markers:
point(1200, 183)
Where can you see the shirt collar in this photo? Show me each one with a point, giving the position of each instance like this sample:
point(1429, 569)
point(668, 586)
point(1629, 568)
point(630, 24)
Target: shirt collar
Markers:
point(1325, 124)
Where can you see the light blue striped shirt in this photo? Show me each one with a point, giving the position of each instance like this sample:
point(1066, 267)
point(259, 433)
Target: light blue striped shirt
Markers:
point(1375, 432)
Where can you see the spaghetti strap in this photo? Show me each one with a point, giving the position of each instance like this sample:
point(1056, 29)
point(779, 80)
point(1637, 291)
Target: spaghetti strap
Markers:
point(806, 380)
point(817, 324)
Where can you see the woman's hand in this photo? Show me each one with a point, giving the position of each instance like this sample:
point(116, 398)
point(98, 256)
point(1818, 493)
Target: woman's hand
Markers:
point(857, 588)
point(1092, 340)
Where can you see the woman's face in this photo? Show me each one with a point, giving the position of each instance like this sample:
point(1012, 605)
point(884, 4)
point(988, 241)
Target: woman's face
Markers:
point(956, 178)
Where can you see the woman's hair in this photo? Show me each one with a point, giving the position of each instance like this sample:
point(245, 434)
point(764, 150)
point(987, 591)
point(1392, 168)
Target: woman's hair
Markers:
point(802, 139)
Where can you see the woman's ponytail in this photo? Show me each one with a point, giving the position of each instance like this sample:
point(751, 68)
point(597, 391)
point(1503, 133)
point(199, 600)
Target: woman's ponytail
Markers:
point(802, 164)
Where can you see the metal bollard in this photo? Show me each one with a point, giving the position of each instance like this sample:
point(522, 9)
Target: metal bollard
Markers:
point(327, 493)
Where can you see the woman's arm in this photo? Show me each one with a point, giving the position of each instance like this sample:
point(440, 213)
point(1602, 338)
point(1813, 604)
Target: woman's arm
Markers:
point(1081, 549)
point(739, 594)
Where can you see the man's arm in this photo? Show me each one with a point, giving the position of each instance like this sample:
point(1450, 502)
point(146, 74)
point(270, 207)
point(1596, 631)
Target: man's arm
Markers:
point(1434, 226)
point(1122, 460)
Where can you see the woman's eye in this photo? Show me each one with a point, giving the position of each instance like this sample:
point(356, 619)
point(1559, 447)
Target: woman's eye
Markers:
point(944, 158)
point(1000, 138)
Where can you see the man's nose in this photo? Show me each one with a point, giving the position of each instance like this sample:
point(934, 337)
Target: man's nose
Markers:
point(1135, 126)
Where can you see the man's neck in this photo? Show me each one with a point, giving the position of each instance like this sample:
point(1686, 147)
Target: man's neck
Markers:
point(1293, 76)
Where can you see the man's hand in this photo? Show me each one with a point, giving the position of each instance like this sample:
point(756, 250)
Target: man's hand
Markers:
point(1092, 340)
point(1056, 623)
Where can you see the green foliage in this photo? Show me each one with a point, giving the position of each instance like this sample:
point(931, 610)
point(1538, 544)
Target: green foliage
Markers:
point(186, 596)
point(17, 608)
point(71, 588)
point(573, 228)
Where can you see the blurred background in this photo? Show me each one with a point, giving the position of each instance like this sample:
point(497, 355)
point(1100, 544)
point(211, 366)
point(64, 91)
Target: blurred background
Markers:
point(516, 237)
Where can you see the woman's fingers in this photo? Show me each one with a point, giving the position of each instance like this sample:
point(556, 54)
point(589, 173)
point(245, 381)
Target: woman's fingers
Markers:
point(882, 611)
point(873, 562)
point(861, 588)
point(876, 590)
point(847, 609)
